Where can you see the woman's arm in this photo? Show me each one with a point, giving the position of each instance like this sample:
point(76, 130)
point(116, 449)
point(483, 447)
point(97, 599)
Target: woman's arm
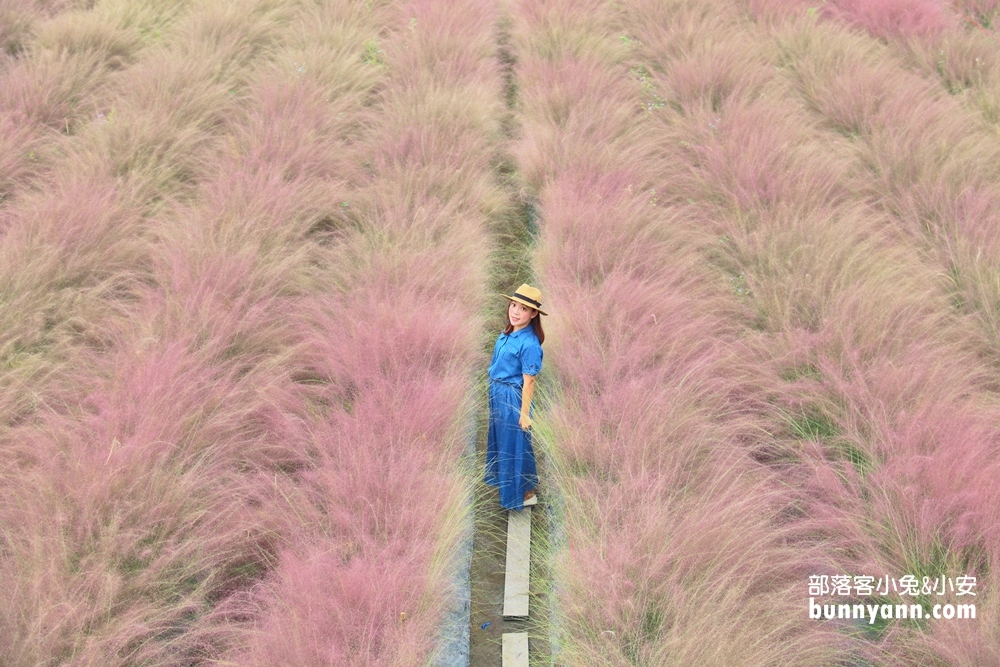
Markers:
point(526, 393)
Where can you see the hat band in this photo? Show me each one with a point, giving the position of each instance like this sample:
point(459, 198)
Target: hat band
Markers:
point(538, 304)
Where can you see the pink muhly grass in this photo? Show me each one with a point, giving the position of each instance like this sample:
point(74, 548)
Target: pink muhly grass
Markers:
point(867, 333)
point(626, 487)
point(543, 19)
point(960, 57)
point(177, 92)
point(680, 29)
point(595, 252)
point(907, 159)
point(742, 161)
point(963, 642)
point(641, 588)
point(158, 150)
point(563, 94)
point(976, 8)
point(865, 319)
point(933, 178)
point(379, 456)
point(68, 264)
point(61, 72)
point(820, 270)
point(145, 527)
point(81, 233)
point(49, 89)
point(186, 395)
point(947, 495)
point(883, 413)
point(457, 45)
point(375, 478)
point(776, 12)
point(565, 30)
point(583, 97)
point(892, 327)
point(732, 134)
point(399, 340)
point(614, 466)
point(843, 81)
point(448, 169)
point(73, 34)
point(338, 608)
point(644, 371)
point(20, 162)
point(39, 100)
point(386, 351)
point(974, 285)
point(964, 62)
point(325, 47)
point(233, 36)
point(619, 356)
point(429, 140)
point(251, 221)
point(15, 28)
point(401, 241)
point(960, 224)
point(893, 18)
point(182, 419)
point(915, 511)
point(706, 80)
point(292, 130)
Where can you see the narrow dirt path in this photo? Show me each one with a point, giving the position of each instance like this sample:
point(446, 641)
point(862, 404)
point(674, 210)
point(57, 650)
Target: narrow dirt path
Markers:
point(513, 235)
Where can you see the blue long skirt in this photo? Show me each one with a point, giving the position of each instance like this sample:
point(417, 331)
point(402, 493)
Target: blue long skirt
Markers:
point(510, 461)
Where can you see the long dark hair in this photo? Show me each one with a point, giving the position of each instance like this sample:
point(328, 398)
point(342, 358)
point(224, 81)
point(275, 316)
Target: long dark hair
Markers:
point(536, 324)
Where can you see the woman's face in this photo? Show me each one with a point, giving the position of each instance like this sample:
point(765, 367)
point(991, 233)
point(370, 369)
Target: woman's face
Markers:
point(520, 314)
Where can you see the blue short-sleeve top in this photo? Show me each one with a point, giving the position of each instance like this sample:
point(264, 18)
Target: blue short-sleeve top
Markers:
point(515, 354)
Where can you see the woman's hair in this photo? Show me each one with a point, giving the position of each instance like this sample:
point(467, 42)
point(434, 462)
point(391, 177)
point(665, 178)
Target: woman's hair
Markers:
point(536, 324)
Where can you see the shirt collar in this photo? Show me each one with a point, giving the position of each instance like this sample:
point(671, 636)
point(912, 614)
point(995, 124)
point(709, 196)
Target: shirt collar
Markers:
point(520, 331)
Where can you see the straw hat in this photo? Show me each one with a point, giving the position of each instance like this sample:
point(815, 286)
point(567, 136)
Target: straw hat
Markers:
point(529, 296)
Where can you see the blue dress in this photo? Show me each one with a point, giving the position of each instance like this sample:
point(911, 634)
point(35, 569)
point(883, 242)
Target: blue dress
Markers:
point(510, 461)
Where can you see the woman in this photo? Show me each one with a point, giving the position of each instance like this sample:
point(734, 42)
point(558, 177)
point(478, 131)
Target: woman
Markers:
point(517, 359)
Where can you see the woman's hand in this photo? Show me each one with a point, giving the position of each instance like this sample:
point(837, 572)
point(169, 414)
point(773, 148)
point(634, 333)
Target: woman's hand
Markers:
point(524, 422)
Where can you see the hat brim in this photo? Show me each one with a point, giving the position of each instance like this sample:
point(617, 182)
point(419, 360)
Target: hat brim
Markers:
point(525, 303)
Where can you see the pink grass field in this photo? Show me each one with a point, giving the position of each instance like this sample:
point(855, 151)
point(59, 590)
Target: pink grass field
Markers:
point(244, 257)
point(770, 238)
point(233, 411)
